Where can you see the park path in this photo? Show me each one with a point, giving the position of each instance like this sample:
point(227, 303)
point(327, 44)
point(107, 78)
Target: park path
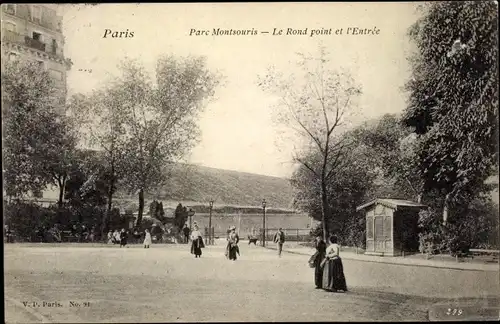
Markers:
point(165, 283)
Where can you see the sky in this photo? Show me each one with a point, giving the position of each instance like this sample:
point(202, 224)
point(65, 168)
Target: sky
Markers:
point(238, 132)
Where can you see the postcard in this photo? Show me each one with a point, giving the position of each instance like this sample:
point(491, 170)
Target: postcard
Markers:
point(250, 162)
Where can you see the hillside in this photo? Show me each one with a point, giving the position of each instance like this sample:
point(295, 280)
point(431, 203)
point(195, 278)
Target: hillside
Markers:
point(196, 185)
point(201, 184)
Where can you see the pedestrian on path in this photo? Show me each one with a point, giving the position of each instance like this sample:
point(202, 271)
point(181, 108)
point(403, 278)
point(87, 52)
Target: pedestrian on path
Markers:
point(147, 239)
point(116, 237)
point(333, 270)
point(279, 239)
point(316, 260)
point(110, 237)
point(196, 242)
point(123, 238)
point(232, 249)
point(186, 231)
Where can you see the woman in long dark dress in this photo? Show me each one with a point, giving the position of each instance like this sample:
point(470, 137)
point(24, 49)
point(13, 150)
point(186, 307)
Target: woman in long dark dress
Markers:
point(232, 249)
point(320, 246)
point(196, 242)
point(333, 270)
point(123, 238)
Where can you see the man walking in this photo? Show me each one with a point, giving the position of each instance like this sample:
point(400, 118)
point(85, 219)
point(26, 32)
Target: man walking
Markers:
point(186, 232)
point(279, 238)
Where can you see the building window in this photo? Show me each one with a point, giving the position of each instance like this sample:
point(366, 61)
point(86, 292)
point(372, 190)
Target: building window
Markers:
point(13, 56)
point(56, 75)
point(10, 9)
point(37, 36)
point(36, 13)
point(54, 46)
point(10, 26)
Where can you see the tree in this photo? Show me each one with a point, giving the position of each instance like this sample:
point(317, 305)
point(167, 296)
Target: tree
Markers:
point(87, 181)
point(37, 139)
point(453, 102)
point(63, 158)
point(317, 109)
point(160, 213)
point(346, 191)
point(180, 216)
point(102, 117)
point(391, 147)
point(161, 118)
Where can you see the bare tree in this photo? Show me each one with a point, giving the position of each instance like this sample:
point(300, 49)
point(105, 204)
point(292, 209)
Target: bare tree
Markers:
point(317, 107)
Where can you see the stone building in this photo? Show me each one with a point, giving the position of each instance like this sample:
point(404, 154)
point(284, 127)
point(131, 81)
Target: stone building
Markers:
point(34, 32)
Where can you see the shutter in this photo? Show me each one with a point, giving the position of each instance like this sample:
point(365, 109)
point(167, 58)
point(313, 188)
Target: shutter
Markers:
point(369, 227)
point(387, 227)
point(379, 227)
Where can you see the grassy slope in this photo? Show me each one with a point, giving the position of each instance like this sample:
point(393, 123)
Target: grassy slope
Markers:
point(201, 184)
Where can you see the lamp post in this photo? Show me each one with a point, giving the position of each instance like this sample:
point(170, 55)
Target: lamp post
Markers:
point(210, 222)
point(263, 222)
point(190, 214)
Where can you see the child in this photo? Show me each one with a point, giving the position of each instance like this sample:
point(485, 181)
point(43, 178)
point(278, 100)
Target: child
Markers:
point(147, 239)
point(110, 237)
point(123, 238)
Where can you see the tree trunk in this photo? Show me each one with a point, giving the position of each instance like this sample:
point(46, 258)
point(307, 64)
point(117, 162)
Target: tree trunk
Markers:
point(445, 210)
point(141, 207)
point(107, 214)
point(62, 184)
point(325, 210)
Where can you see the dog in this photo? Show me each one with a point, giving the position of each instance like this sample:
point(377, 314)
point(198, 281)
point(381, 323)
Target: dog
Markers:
point(252, 240)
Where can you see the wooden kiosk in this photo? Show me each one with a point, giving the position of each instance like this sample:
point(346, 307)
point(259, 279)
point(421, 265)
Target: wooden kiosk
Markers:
point(391, 226)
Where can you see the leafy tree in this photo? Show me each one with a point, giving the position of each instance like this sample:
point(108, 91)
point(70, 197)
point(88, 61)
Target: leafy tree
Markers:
point(102, 119)
point(37, 143)
point(152, 208)
point(180, 216)
point(316, 108)
point(87, 183)
point(160, 214)
point(347, 190)
point(391, 147)
point(453, 98)
point(161, 117)
point(156, 210)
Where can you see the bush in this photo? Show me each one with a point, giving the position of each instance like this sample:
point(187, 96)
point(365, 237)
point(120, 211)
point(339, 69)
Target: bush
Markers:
point(26, 218)
point(355, 231)
point(472, 226)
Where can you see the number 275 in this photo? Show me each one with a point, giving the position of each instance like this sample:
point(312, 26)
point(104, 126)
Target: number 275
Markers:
point(454, 311)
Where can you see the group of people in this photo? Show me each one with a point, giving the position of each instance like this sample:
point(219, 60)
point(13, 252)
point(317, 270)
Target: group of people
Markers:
point(232, 250)
point(327, 264)
point(121, 237)
point(197, 243)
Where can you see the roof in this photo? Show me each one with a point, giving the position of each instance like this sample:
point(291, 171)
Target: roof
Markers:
point(391, 203)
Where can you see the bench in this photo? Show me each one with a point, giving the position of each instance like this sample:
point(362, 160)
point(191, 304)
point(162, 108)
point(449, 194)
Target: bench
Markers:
point(67, 236)
point(492, 253)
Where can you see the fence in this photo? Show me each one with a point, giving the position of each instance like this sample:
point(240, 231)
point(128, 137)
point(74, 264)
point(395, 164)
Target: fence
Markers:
point(291, 234)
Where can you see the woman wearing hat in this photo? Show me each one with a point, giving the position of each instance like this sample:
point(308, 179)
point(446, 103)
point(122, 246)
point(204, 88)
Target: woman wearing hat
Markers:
point(232, 249)
point(196, 242)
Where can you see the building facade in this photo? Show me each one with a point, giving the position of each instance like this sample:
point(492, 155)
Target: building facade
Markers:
point(34, 32)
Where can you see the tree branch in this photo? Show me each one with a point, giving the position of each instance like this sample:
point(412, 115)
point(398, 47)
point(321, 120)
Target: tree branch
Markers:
point(307, 166)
